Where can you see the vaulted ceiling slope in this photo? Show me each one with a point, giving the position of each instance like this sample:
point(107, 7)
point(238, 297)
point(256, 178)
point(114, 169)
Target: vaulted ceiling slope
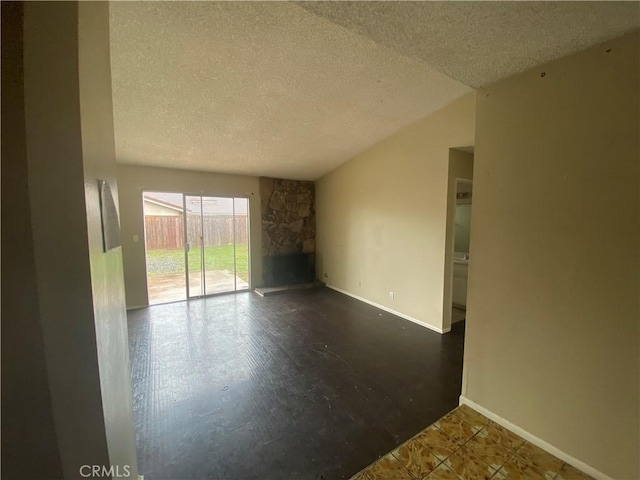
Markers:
point(478, 43)
point(294, 90)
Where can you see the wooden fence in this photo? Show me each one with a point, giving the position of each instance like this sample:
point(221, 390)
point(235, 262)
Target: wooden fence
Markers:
point(164, 232)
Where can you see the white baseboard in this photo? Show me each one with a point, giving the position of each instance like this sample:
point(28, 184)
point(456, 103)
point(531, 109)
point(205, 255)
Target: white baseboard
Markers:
point(386, 309)
point(537, 441)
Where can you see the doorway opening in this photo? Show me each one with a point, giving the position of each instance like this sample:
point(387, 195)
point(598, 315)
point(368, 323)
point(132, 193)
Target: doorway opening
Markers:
point(457, 246)
point(462, 231)
point(196, 245)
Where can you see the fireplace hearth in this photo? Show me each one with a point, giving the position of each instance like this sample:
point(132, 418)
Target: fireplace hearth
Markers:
point(288, 269)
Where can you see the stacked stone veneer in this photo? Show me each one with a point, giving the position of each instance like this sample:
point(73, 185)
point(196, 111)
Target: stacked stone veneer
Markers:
point(288, 223)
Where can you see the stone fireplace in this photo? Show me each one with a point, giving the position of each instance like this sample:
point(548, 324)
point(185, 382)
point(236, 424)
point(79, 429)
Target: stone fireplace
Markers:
point(288, 231)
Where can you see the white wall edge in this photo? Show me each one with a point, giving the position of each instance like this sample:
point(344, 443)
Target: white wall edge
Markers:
point(386, 309)
point(537, 441)
point(136, 307)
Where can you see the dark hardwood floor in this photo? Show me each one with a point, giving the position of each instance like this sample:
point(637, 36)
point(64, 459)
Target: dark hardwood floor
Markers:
point(308, 384)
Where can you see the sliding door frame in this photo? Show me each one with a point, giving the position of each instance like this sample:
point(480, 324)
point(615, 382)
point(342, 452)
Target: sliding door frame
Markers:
point(202, 254)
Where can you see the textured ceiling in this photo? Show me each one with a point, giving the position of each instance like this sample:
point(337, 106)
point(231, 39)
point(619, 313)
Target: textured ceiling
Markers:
point(478, 43)
point(257, 88)
point(294, 90)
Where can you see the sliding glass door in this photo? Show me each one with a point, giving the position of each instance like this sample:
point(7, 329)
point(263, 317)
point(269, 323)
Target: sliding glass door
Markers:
point(217, 244)
point(218, 233)
point(241, 242)
point(214, 237)
point(193, 245)
point(164, 246)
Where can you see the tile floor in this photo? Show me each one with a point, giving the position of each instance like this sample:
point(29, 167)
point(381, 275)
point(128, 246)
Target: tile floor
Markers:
point(465, 445)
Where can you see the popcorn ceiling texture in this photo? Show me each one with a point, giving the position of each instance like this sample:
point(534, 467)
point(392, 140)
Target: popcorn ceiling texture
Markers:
point(478, 43)
point(257, 88)
point(293, 90)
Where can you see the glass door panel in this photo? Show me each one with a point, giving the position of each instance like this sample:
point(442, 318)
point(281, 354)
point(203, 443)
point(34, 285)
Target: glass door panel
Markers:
point(193, 244)
point(218, 232)
point(164, 246)
point(241, 242)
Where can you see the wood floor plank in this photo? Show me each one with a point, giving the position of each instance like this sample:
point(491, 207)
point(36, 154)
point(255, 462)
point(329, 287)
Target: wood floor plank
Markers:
point(308, 384)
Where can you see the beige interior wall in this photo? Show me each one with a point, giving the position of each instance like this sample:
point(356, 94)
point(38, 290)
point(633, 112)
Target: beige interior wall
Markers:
point(460, 167)
point(552, 316)
point(107, 281)
point(381, 217)
point(69, 145)
point(132, 181)
point(29, 443)
point(61, 253)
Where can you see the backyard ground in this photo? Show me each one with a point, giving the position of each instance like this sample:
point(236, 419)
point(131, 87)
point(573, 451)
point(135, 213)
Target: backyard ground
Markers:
point(171, 261)
point(166, 272)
